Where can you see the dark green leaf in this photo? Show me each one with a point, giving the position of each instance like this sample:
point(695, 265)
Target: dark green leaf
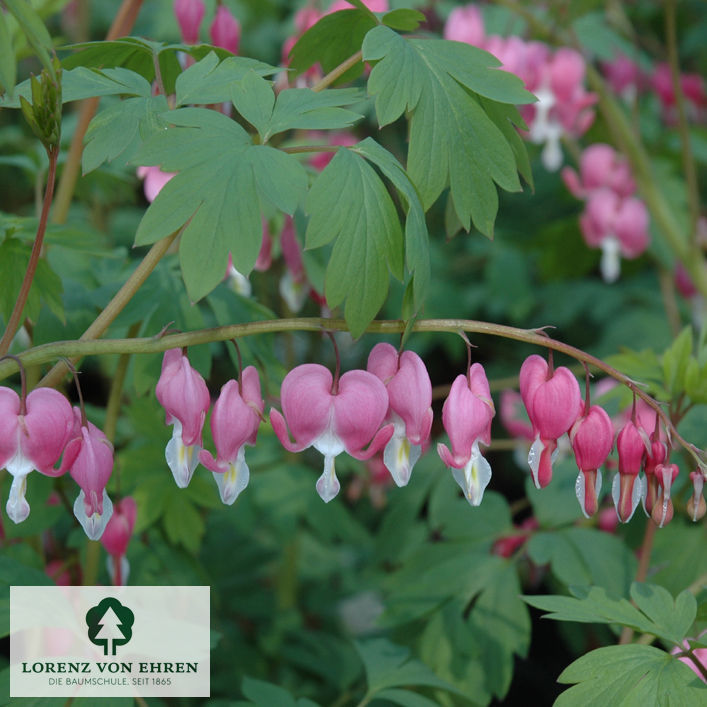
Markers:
point(34, 30)
point(630, 676)
point(222, 177)
point(675, 362)
point(265, 694)
point(8, 65)
point(673, 617)
point(453, 142)
point(254, 100)
point(406, 698)
point(403, 19)
point(331, 41)
point(368, 236)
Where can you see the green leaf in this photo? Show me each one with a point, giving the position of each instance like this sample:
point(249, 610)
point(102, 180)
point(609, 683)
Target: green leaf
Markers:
point(8, 64)
point(121, 129)
point(674, 618)
point(501, 623)
point(211, 81)
point(265, 694)
point(675, 362)
point(453, 141)
point(34, 30)
point(628, 676)
point(388, 665)
point(406, 698)
point(585, 556)
point(367, 232)
point(403, 19)
point(417, 247)
point(331, 41)
point(182, 522)
point(254, 99)
point(222, 177)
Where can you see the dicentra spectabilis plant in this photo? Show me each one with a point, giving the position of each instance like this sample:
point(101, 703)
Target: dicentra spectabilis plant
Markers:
point(265, 173)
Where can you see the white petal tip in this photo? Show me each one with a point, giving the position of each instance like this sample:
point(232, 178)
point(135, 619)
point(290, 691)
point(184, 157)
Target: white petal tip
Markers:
point(94, 525)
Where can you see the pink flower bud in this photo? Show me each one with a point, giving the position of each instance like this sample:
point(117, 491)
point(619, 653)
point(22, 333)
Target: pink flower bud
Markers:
point(662, 512)
point(410, 400)
point(234, 423)
point(592, 437)
point(189, 14)
point(657, 455)
point(553, 403)
point(628, 488)
point(183, 394)
point(465, 24)
point(225, 30)
point(31, 438)
point(623, 75)
point(119, 529)
point(466, 416)
point(89, 459)
point(696, 506)
point(332, 420)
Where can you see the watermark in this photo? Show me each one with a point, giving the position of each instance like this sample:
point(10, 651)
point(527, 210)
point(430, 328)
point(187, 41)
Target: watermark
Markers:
point(109, 642)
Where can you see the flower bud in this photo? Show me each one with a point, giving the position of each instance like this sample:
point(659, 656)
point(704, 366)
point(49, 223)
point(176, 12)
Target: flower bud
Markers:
point(225, 30)
point(696, 507)
point(662, 512)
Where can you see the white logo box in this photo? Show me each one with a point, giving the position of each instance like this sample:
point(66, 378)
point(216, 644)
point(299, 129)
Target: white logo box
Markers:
point(54, 652)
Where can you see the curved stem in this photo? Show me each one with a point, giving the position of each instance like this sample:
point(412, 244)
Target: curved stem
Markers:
point(115, 306)
point(337, 72)
point(87, 346)
point(13, 323)
point(296, 149)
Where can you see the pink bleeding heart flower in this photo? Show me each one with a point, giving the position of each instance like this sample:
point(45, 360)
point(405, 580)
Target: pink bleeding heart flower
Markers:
point(696, 506)
point(465, 24)
point(225, 30)
point(332, 419)
point(656, 453)
point(189, 14)
point(294, 287)
point(513, 416)
point(33, 434)
point(553, 402)
point(466, 416)
point(372, 5)
point(600, 166)
point(183, 394)
point(662, 512)
point(234, 423)
point(627, 490)
point(623, 75)
point(592, 438)
point(116, 537)
point(89, 459)
point(410, 407)
point(155, 179)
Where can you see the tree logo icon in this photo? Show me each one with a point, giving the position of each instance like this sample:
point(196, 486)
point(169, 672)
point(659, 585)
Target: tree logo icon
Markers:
point(110, 624)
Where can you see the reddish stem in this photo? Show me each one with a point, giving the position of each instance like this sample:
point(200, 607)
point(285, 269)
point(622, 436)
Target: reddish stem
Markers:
point(13, 323)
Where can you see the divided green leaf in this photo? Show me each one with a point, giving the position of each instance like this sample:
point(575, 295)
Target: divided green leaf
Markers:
point(453, 140)
point(222, 178)
point(348, 203)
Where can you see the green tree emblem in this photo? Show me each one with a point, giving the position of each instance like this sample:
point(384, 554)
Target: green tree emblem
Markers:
point(110, 624)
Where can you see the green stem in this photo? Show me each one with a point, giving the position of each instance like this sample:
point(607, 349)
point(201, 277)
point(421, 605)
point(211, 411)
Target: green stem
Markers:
point(15, 319)
point(337, 72)
point(309, 148)
point(688, 162)
point(88, 346)
point(90, 570)
point(114, 307)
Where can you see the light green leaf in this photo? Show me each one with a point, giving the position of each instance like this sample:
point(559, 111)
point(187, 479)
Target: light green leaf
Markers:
point(211, 81)
point(121, 128)
point(630, 676)
point(406, 698)
point(8, 65)
point(453, 141)
point(367, 232)
point(332, 40)
point(675, 362)
point(417, 247)
point(254, 99)
point(221, 178)
point(265, 694)
point(673, 617)
point(34, 30)
point(182, 522)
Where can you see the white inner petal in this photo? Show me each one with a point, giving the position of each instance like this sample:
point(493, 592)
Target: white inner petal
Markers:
point(536, 449)
point(328, 485)
point(95, 524)
point(181, 459)
point(400, 457)
point(474, 477)
point(17, 507)
point(610, 265)
point(232, 482)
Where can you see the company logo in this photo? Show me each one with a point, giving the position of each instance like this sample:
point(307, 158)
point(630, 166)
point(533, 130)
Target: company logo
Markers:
point(110, 624)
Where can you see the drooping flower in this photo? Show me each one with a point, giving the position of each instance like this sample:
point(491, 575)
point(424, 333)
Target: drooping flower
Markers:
point(553, 402)
point(662, 512)
point(189, 14)
point(225, 30)
point(234, 423)
point(465, 24)
point(410, 407)
point(332, 418)
point(628, 488)
point(116, 537)
point(466, 416)
point(183, 394)
point(600, 166)
point(592, 437)
point(33, 434)
point(624, 76)
point(696, 506)
point(89, 459)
